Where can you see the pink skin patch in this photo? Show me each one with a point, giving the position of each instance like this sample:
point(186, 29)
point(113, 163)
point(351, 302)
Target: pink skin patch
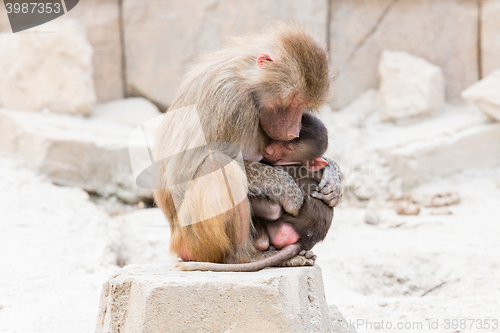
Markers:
point(282, 234)
point(185, 256)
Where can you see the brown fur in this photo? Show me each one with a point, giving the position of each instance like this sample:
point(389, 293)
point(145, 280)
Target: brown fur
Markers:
point(234, 97)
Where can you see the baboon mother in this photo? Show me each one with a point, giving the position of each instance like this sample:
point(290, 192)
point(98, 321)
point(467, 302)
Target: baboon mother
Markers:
point(252, 92)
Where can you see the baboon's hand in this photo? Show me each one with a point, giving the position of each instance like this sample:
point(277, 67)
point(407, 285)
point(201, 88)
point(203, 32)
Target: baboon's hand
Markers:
point(330, 188)
point(274, 184)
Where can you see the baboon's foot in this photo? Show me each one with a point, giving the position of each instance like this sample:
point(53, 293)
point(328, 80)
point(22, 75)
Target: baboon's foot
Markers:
point(303, 258)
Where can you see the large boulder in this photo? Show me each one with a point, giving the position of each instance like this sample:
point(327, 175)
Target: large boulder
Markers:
point(490, 36)
point(91, 153)
point(101, 19)
point(443, 32)
point(410, 87)
point(485, 94)
point(158, 298)
point(163, 38)
point(47, 70)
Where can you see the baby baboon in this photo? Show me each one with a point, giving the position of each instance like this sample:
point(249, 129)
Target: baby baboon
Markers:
point(301, 158)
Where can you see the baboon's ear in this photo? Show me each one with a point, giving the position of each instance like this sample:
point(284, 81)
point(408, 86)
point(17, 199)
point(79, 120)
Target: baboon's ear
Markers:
point(316, 164)
point(264, 58)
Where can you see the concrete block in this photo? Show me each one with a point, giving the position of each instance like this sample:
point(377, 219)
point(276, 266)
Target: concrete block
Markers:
point(472, 148)
point(158, 298)
point(91, 153)
point(410, 87)
point(485, 94)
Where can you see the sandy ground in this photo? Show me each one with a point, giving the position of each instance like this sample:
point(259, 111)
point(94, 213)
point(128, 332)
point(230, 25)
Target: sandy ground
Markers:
point(57, 251)
point(381, 273)
point(416, 271)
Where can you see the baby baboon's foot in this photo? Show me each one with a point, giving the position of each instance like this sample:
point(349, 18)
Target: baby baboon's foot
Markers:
point(308, 254)
point(303, 258)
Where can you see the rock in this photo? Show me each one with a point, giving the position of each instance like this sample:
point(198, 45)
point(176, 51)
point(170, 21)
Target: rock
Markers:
point(85, 152)
point(163, 38)
point(407, 208)
point(410, 87)
point(360, 30)
point(144, 237)
point(101, 18)
point(159, 298)
point(472, 148)
point(490, 38)
point(485, 94)
point(130, 111)
point(437, 199)
point(372, 217)
point(47, 70)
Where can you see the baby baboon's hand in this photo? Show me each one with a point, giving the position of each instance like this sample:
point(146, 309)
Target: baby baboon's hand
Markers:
point(330, 188)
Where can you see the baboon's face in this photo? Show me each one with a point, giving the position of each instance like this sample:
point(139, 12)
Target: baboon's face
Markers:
point(281, 120)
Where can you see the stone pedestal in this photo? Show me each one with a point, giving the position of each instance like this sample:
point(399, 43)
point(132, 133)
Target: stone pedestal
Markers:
point(160, 298)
